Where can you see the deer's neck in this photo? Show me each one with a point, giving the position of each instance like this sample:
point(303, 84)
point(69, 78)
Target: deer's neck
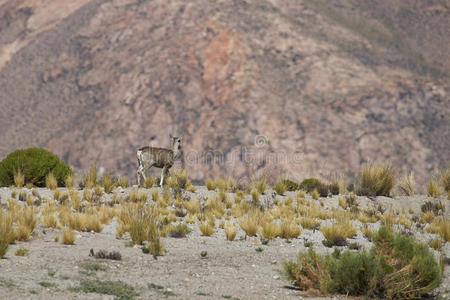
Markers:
point(175, 152)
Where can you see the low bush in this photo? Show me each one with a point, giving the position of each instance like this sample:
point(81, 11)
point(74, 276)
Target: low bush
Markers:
point(309, 184)
point(395, 268)
point(290, 185)
point(35, 164)
point(179, 231)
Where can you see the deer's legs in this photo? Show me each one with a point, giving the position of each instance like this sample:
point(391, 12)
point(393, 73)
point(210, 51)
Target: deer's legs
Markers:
point(165, 171)
point(139, 174)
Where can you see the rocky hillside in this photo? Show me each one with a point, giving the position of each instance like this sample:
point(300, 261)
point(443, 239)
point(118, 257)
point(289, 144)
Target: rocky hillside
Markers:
point(296, 88)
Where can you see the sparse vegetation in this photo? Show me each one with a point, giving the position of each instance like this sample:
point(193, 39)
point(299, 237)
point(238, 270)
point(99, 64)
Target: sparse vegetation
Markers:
point(109, 183)
point(179, 231)
point(19, 178)
point(230, 231)
point(206, 229)
point(116, 288)
point(445, 179)
point(395, 268)
point(21, 251)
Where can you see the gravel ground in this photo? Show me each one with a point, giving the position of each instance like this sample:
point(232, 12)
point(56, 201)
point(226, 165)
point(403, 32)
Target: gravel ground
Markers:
point(231, 270)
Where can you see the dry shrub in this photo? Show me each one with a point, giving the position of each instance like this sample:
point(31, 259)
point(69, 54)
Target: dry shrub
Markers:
point(192, 206)
point(343, 202)
point(206, 228)
point(109, 183)
point(433, 189)
point(308, 222)
point(230, 231)
point(7, 234)
point(68, 236)
point(123, 182)
point(69, 182)
point(271, 230)
point(149, 181)
point(343, 229)
point(407, 185)
point(49, 220)
point(315, 194)
point(210, 184)
point(89, 178)
point(441, 226)
point(50, 181)
point(140, 221)
point(75, 199)
point(377, 178)
point(280, 188)
point(19, 178)
point(289, 229)
point(445, 179)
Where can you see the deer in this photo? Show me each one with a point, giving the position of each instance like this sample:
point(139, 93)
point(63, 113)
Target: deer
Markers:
point(157, 157)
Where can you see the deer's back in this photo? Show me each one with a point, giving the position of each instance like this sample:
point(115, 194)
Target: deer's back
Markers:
point(159, 157)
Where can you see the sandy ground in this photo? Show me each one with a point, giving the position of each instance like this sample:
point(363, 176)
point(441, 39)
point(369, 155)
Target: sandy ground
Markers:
point(231, 270)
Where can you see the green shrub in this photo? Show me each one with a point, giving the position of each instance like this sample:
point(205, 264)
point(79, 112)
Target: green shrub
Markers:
point(377, 179)
point(35, 164)
point(309, 184)
point(395, 268)
point(290, 185)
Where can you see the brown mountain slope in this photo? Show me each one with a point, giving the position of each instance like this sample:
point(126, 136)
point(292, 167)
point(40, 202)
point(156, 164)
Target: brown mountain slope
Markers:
point(321, 88)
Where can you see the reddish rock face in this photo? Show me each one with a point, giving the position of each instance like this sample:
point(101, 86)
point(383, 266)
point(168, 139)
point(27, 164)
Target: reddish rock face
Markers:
point(254, 87)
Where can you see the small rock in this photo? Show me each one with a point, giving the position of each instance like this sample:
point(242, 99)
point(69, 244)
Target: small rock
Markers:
point(276, 277)
point(274, 262)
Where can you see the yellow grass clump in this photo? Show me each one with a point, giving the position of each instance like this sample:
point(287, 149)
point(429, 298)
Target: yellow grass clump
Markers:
point(69, 182)
point(271, 230)
point(49, 220)
point(408, 185)
point(206, 229)
point(75, 199)
point(315, 194)
point(230, 231)
point(19, 179)
point(149, 182)
point(377, 178)
point(249, 224)
point(441, 226)
point(50, 181)
point(289, 229)
point(308, 222)
point(445, 179)
point(343, 202)
point(123, 182)
point(338, 230)
point(68, 236)
point(433, 189)
point(193, 206)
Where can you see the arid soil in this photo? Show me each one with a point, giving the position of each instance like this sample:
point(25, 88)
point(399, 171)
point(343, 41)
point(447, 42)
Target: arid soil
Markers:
point(230, 270)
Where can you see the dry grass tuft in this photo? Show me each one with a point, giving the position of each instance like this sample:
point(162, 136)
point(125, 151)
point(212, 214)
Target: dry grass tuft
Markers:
point(109, 183)
point(445, 179)
point(343, 229)
point(433, 189)
point(89, 178)
point(280, 188)
point(315, 194)
point(436, 244)
point(193, 206)
point(19, 179)
point(206, 228)
point(75, 199)
point(271, 230)
point(51, 182)
point(149, 182)
point(123, 182)
point(407, 185)
point(230, 231)
point(210, 184)
point(260, 185)
point(68, 236)
point(308, 222)
point(441, 226)
point(343, 202)
point(249, 224)
point(69, 182)
point(377, 178)
point(289, 229)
